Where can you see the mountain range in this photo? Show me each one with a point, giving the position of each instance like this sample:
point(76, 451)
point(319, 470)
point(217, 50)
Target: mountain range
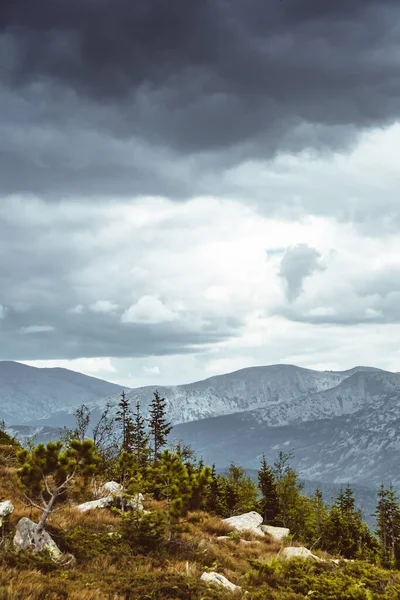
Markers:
point(343, 426)
point(29, 393)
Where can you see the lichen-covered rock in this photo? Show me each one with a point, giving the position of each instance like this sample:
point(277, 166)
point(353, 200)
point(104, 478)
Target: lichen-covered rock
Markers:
point(277, 533)
point(250, 521)
point(24, 539)
point(217, 579)
point(298, 552)
point(6, 508)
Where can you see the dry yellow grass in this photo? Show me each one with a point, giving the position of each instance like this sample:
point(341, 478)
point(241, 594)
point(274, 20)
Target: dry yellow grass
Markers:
point(102, 576)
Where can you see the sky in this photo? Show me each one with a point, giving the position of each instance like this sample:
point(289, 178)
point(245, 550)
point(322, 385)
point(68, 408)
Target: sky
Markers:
point(190, 188)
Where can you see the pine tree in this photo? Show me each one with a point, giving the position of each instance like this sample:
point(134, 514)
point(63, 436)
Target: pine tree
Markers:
point(267, 487)
point(346, 502)
point(49, 472)
point(388, 525)
point(139, 438)
point(174, 486)
point(319, 510)
point(158, 425)
point(124, 417)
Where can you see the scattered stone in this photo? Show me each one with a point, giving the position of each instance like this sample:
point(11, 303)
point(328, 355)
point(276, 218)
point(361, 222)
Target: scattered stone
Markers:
point(94, 504)
point(250, 521)
point(6, 508)
point(217, 579)
point(277, 533)
point(298, 552)
point(24, 539)
point(136, 503)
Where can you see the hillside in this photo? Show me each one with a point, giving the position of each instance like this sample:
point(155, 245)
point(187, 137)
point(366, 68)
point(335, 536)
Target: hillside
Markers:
point(29, 393)
point(103, 553)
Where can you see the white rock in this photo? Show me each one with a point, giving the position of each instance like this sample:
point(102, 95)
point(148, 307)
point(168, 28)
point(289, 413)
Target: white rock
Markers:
point(136, 503)
point(217, 579)
point(94, 504)
point(6, 508)
point(24, 539)
point(250, 521)
point(298, 552)
point(278, 533)
point(112, 488)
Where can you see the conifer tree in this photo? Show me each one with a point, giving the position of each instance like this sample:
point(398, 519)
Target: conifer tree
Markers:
point(388, 525)
point(124, 417)
point(139, 438)
point(180, 489)
point(267, 487)
point(319, 510)
point(158, 425)
point(49, 472)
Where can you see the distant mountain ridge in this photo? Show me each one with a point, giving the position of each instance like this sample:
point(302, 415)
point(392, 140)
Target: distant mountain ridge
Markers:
point(269, 388)
point(29, 393)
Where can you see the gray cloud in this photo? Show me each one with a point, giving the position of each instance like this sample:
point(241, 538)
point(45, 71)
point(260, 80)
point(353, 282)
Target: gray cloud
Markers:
point(119, 98)
point(66, 281)
point(298, 263)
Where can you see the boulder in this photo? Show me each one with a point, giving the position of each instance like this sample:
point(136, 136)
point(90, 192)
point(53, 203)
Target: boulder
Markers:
point(250, 521)
point(6, 508)
point(277, 533)
point(112, 488)
point(93, 504)
point(115, 498)
point(24, 539)
point(217, 579)
point(298, 552)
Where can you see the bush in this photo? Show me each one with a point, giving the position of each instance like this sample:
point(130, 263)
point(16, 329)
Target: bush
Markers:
point(86, 545)
point(143, 532)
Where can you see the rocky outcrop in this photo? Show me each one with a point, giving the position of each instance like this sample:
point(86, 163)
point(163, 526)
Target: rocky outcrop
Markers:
point(250, 521)
point(24, 539)
point(277, 533)
point(220, 580)
point(298, 552)
point(6, 508)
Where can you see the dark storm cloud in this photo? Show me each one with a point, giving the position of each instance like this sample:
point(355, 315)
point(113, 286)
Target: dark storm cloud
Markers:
point(108, 97)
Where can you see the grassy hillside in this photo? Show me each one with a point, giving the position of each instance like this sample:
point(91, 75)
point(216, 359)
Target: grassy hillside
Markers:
point(111, 563)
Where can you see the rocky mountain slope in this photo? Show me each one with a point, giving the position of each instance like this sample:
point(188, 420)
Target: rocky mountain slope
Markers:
point(28, 393)
point(265, 388)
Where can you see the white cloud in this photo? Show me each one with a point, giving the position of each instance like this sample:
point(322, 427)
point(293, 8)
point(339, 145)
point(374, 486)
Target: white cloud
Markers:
point(76, 310)
point(88, 366)
point(103, 306)
point(212, 264)
point(154, 370)
point(149, 310)
point(37, 329)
